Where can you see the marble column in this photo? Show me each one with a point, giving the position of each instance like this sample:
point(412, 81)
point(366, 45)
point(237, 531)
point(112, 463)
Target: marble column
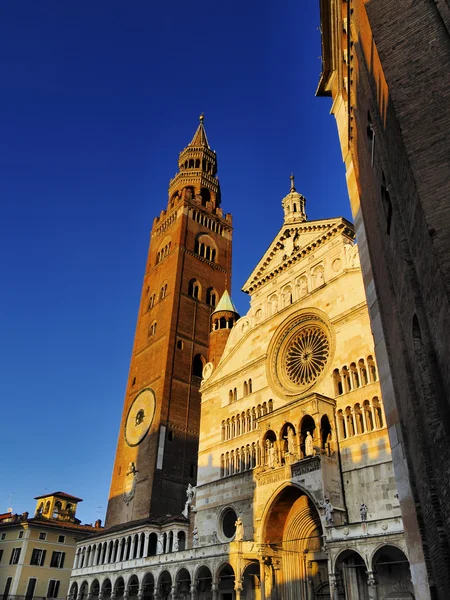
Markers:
point(215, 591)
point(173, 592)
point(372, 585)
point(237, 590)
point(193, 592)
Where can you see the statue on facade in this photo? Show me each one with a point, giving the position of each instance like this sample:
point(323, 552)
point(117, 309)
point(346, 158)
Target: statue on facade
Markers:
point(159, 545)
point(272, 455)
point(291, 440)
point(309, 444)
point(190, 493)
point(195, 537)
point(239, 536)
point(329, 510)
point(363, 512)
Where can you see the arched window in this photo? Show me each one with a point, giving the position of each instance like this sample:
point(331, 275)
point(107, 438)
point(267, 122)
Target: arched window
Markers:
point(211, 296)
point(377, 411)
point(359, 419)
point(230, 396)
point(250, 387)
point(354, 376)
point(152, 329)
point(325, 434)
point(194, 289)
point(222, 465)
point(346, 379)
point(363, 372)
point(245, 388)
point(270, 406)
point(350, 423)
point(235, 396)
point(372, 369)
point(197, 365)
point(223, 431)
point(337, 382)
point(368, 415)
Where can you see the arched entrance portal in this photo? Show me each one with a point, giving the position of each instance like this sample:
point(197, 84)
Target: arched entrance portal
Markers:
point(391, 573)
point(351, 576)
point(296, 567)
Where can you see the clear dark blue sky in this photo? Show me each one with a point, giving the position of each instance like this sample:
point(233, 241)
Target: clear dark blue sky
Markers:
point(97, 100)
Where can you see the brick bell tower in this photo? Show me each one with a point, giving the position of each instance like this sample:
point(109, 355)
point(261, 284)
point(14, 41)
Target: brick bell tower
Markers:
point(188, 269)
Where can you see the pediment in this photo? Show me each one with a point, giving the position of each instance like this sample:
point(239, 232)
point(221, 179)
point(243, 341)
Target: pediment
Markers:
point(293, 241)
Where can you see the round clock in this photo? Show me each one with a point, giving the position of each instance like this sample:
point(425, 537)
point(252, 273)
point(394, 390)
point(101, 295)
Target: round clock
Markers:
point(140, 417)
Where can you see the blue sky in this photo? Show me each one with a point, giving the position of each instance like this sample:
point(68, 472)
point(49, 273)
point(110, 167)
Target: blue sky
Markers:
point(98, 98)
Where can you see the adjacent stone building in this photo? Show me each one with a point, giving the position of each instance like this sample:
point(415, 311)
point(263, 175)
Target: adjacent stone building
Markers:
point(295, 496)
point(37, 553)
point(386, 65)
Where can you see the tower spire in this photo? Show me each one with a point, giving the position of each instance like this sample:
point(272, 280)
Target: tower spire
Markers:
point(196, 179)
point(200, 138)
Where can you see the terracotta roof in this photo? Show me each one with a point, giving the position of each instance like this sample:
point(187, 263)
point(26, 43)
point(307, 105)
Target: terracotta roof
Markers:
point(60, 495)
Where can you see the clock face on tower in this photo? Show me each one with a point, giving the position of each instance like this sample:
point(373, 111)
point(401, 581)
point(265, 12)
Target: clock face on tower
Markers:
point(140, 417)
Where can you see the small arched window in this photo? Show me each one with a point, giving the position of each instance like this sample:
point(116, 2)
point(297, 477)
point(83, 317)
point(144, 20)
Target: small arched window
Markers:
point(197, 365)
point(211, 297)
point(194, 289)
point(152, 329)
point(337, 382)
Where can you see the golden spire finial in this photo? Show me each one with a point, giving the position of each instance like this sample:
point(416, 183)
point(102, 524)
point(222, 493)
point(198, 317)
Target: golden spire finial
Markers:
point(292, 183)
point(202, 116)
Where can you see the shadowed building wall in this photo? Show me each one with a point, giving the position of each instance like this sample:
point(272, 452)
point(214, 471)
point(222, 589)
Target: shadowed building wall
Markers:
point(386, 65)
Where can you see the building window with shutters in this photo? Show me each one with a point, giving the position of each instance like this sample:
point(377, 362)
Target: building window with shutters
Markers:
point(15, 555)
point(53, 588)
point(58, 560)
point(37, 557)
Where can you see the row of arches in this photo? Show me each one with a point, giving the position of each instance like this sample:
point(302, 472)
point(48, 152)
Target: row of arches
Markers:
point(161, 295)
point(245, 421)
point(360, 418)
point(247, 389)
point(357, 375)
point(197, 163)
point(168, 222)
point(205, 247)
point(204, 220)
point(183, 585)
point(272, 449)
point(163, 253)
point(289, 293)
point(129, 548)
point(195, 291)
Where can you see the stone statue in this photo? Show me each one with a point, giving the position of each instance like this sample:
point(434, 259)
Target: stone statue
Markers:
point(309, 444)
point(239, 530)
point(195, 537)
point(132, 469)
point(329, 510)
point(159, 545)
point(190, 493)
point(291, 440)
point(363, 512)
point(272, 457)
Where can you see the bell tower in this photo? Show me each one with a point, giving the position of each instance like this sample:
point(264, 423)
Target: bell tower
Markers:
point(188, 269)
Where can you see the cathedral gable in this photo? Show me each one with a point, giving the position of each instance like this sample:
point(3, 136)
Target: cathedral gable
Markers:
point(292, 243)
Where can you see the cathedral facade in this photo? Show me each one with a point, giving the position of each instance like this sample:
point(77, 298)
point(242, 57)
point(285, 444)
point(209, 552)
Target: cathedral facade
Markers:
point(293, 493)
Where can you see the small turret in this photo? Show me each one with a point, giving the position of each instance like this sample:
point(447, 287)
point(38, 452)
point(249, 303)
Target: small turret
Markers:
point(222, 321)
point(294, 205)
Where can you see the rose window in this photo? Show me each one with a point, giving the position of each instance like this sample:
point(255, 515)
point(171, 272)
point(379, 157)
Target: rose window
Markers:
point(307, 355)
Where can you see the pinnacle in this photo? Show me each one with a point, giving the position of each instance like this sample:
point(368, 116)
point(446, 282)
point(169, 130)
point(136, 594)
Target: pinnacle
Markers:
point(200, 138)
